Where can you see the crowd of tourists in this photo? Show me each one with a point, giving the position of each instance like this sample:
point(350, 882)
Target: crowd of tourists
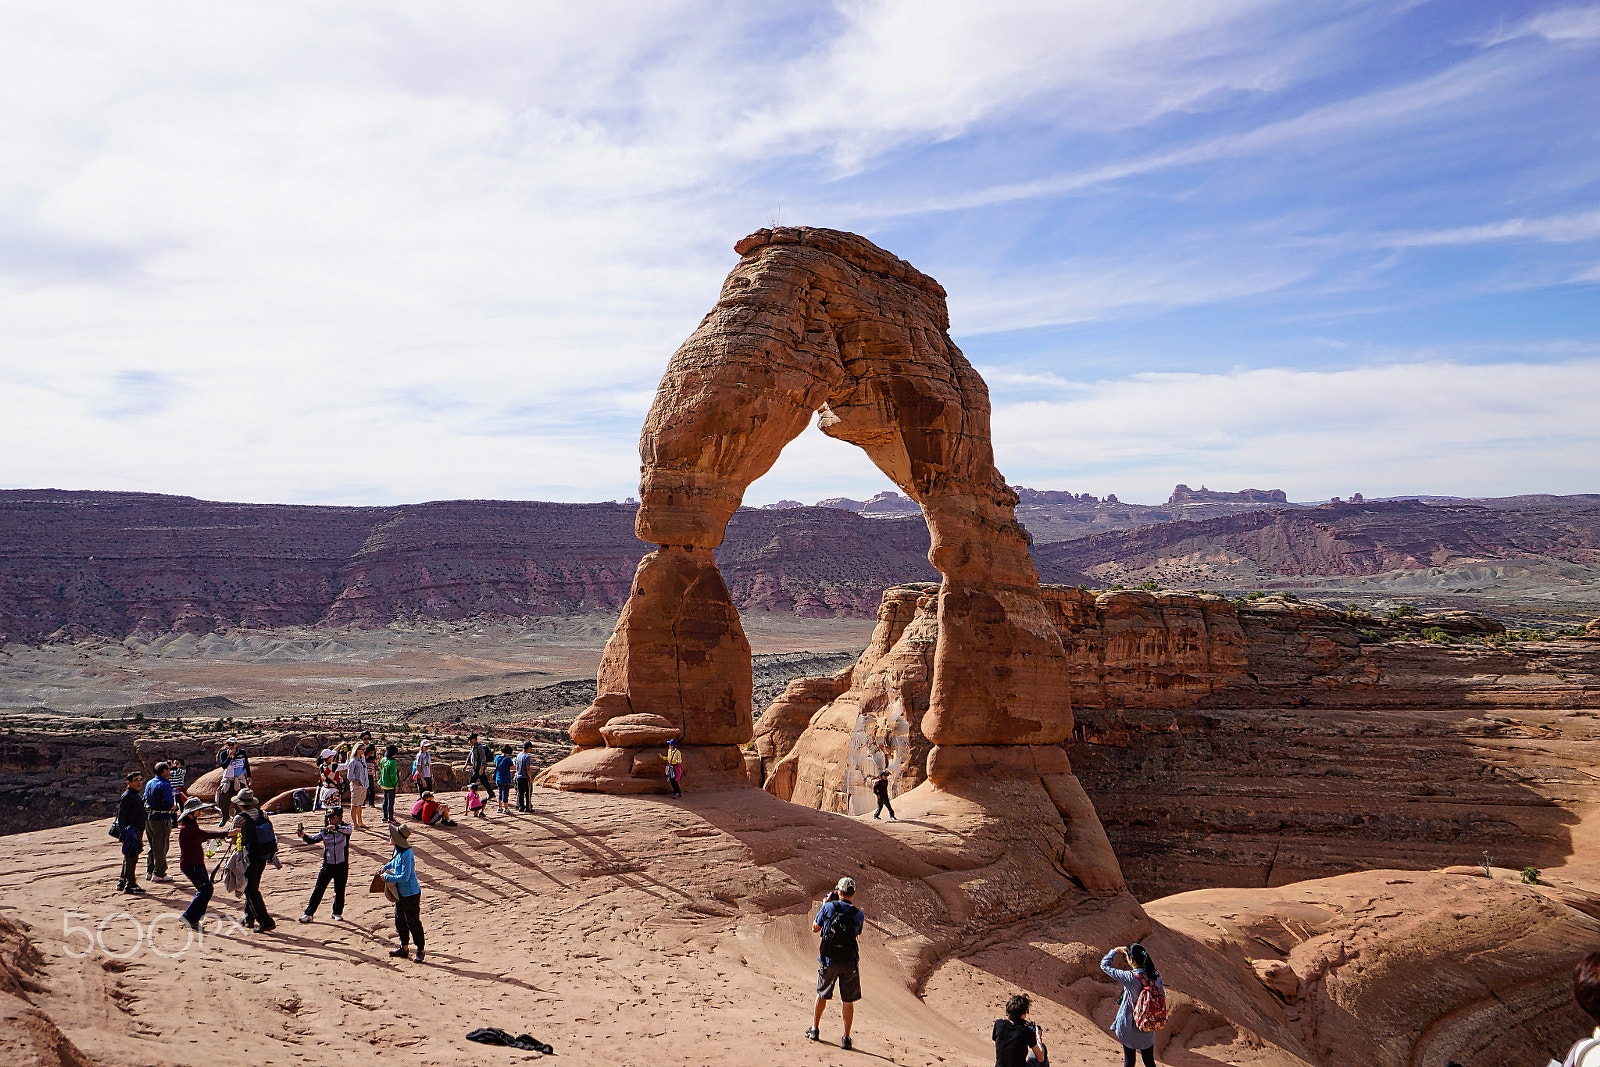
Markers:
point(352, 777)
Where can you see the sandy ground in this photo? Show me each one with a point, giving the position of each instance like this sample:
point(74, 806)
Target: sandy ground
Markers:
point(340, 671)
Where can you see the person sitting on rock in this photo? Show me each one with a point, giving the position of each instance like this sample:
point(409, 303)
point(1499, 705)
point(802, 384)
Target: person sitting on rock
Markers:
point(427, 809)
point(335, 839)
point(131, 818)
point(1015, 1037)
point(840, 923)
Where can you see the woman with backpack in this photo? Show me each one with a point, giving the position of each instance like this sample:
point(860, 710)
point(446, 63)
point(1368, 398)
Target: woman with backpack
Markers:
point(503, 771)
point(1143, 1010)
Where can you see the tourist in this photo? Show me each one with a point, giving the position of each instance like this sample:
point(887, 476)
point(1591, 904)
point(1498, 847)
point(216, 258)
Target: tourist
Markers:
point(192, 858)
point(525, 777)
point(335, 839)
point(260, 844)
point(371, 756)
point(1135, 1041)
point(479, 758)
point(839, 922)
point(356, 772)
point(235, 764)
point(422, 766)
point(130, 831)
point(880, 789)
point(477, 799)
point(178, 778)
point(427, 809)
point(504, 771)
point(1015, 1037)
point(1586, 991)
point(159, 807)
point(401, 870)
point(388, 781)
point(674, 761)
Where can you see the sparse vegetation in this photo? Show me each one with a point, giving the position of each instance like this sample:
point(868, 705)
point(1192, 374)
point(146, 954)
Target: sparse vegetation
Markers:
point(1436, 635)
point(1401, 612)
point(1530, 875)
point(1149, 586)
point(1369, 637)
point(1290, 597)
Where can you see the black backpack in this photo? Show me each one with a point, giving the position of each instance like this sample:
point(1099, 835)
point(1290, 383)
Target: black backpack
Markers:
point(839, 932)
point(259, 837)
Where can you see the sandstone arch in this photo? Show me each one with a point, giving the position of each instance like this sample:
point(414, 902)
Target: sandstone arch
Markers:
point(821, 321)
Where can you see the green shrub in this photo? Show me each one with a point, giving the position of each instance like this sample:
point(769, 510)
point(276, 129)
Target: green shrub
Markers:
point(1369, 637)
point(1290, 597)
point(1149, 586)
point(1530, 875)
point(1436, 635)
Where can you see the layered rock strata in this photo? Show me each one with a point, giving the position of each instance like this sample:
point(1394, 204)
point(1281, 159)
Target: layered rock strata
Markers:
point(818, 321)
point(1256, 744)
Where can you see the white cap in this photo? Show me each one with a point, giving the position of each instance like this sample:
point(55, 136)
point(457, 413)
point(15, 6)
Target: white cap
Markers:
point(233, 740)
point(327, 752)
point(426, 742)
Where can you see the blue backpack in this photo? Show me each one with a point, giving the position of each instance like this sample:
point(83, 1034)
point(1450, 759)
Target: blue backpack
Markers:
point(259, 837)
point(502, 769)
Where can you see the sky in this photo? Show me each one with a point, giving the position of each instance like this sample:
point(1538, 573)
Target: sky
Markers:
point(374, 253)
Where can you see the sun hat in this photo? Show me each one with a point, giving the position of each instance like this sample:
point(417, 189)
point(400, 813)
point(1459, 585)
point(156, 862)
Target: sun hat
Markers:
point(192, 805)
point(246, 799)
point(400, 832)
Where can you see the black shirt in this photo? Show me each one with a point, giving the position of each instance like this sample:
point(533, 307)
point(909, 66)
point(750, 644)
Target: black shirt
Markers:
point(1012, 1040)
point(881, 788)
point(131, 810)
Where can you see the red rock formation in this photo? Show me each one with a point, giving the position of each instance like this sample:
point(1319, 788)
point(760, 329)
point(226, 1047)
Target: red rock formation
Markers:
point(822, 321)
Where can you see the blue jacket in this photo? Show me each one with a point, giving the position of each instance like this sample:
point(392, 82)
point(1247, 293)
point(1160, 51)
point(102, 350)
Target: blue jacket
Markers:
point(502, 769)
point(1123, 1025)
point(402, 871)
point(821, 920)
point(158, 798)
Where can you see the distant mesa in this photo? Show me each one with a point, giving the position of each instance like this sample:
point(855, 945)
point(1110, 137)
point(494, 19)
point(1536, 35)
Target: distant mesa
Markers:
point(1182, 494)
point(782, 505)
point(885, 503)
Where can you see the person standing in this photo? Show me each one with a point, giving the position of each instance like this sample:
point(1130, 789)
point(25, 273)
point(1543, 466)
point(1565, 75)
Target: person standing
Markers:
point(160, 807)
point(401, 871)
point(235, 764)
point(192, 840)
point(1015, 1037)
point(260, 843)
point(178, 778)
point(839, 922)
point(504, 771)
point(335, 839)
point(388, 781)
point(674, 761)
point(422, 767)
point(1135, 1041)
point(356, 771)
point(525, 777)
point(880, 789)
point(130, 829)
point(479, 758)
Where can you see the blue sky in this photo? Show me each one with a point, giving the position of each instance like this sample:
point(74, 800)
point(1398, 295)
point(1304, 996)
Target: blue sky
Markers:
point(385, 252)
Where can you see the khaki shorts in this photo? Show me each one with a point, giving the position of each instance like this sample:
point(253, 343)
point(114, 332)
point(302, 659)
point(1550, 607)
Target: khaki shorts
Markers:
point(358, 794)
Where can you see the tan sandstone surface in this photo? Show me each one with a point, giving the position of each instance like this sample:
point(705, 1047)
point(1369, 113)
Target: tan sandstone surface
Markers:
point(638, 930)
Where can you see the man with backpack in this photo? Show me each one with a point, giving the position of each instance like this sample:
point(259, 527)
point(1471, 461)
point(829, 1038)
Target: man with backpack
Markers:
point(260, 844)
point(840, 923)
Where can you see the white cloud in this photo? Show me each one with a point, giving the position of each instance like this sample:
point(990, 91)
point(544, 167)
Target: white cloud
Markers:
point(1557, 24)
point(1576, 226)
point(1437, 427)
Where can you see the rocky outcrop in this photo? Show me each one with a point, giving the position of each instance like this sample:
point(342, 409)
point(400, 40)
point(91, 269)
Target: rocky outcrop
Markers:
point(1182, 494)
point(818, 321)
point(269, 776)
point(1364, 538)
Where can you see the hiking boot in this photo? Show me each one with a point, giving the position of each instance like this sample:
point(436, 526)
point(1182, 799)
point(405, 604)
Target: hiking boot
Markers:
point(812, 1035)
point(132, 888)
point(401, 953)
point(844, 1043)
point(418, 956)
point(190, 923)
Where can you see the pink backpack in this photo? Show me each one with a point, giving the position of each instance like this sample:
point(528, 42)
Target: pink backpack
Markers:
point(1150, 1010)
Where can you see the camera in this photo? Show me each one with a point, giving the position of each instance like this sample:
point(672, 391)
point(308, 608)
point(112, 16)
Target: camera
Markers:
point(833, 896)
